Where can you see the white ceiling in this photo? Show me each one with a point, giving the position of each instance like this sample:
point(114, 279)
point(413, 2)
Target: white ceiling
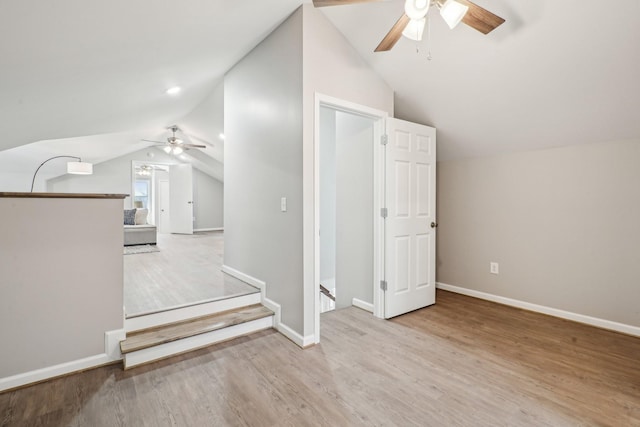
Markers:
point(556, 73)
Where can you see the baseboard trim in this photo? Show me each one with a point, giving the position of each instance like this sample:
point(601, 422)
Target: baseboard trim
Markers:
point(195, 230)
point(581, 318)
point(362, 305)
point(111, 354)
point(302, 341)
point(296, 338)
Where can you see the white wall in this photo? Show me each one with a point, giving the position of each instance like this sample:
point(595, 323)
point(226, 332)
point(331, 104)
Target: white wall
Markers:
point(263, 162)
point(61, 272)
point(208, 201)
point(563, 224)
point(327, 153)
point(331, 67)
point(354, 209)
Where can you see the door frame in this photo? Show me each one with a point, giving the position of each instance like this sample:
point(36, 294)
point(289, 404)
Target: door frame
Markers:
point(379, 117)
point(135, 163)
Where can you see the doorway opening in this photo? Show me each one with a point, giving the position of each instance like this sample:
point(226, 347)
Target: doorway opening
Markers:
point(348, 193)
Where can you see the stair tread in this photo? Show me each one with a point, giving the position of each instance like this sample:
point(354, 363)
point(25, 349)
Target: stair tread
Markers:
point(167, 333)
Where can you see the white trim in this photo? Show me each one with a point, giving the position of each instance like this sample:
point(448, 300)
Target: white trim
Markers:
point(195, 342)
point(244, 277)
point(362, 305)
point(112, 343)
point(302, 341)
point(576, 317)
point(208, 229)
point(311, 294)
point(190, 311)
point(111, 354)
point(296, 337)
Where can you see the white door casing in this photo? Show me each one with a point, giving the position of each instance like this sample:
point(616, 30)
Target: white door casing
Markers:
point(410, 177)
point(181, 198)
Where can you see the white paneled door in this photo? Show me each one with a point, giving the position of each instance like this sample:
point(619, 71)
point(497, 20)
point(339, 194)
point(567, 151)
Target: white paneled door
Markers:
point(181, 198)
point(410, 177)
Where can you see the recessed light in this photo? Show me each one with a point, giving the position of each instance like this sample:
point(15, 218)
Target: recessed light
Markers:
point(221, 136)
point(174, 90)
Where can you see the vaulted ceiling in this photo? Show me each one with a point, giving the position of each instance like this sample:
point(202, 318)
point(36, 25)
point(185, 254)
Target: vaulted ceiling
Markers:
point(556, 73)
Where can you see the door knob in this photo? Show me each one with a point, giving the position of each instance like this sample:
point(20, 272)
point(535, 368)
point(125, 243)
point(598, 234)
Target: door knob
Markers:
point(434, 224)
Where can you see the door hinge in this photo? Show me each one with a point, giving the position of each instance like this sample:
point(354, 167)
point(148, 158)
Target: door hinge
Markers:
point(383, 285)
point(384, 212)
point(384, 139)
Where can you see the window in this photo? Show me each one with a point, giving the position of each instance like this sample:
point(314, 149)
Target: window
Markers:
point(142, 192)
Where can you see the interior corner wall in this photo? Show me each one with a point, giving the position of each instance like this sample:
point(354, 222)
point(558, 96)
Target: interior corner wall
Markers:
point(563, 224)
point(332, 67)
point(208, 201)
point(263, 163)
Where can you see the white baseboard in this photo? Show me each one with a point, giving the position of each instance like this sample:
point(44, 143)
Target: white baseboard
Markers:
point(581, 318)
point(195, 230)
point(111, 354)
point(362, 305)
point(302, 341)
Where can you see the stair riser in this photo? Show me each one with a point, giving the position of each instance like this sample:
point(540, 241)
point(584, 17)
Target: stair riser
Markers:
point(173, 348)
point(185, 313)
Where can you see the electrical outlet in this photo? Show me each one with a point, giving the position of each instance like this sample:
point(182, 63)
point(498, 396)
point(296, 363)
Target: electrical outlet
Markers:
point(283, 204)
point(494, 268)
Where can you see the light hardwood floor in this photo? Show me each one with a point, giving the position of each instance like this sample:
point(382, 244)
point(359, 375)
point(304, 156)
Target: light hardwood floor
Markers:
point(462, 362)
point(187, 270)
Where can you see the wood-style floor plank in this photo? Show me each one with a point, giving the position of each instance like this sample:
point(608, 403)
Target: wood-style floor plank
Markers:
point(462, 362)
point(186, 270)
point(174, 331)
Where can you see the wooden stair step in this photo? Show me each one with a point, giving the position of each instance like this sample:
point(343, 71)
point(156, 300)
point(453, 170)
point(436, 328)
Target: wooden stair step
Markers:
point(147, 338)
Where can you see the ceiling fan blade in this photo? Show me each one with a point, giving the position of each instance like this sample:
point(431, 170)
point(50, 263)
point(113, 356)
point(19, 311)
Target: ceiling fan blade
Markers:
point(480, 18)
point(193, 145)
point(323, 3)
point(155, 142)
point(394, 34)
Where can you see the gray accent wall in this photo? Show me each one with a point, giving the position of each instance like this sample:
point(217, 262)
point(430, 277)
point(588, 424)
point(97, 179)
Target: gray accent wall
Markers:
point(61, 270)
point(563, 224)
point(263, 162)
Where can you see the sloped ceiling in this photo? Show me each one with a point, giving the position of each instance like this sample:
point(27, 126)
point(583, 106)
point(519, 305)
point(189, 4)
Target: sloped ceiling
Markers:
point(556, 73)
point(74, 68)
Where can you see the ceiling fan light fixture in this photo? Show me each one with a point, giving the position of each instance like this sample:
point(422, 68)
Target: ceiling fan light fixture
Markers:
point(177, 150)
point(416, 9)
point(452, 12)
point(167, 149)
point(414, 29)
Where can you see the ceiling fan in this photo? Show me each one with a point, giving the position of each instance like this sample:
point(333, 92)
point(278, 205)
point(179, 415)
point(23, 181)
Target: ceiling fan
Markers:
point(411, 23)
point(174, 144)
